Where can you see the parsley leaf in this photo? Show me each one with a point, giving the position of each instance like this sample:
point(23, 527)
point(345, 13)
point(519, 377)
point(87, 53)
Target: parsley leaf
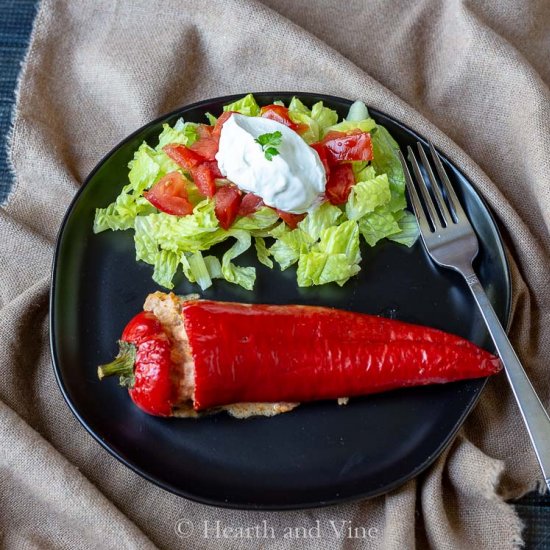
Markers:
point(268, 143)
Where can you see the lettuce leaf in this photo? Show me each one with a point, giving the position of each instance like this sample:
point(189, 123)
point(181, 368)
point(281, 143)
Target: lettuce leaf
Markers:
point(245, 106)
point(144, 169)
point(211, 119)
point(214, 267)
point(378, 224)
point(324, 216)
point(408, 226)
point(335, 258)
point(324, 116)
point(300, 114)
point(262, 252)
point(386, 161)
point(243, 276)
point(341, 239)
point(317, 268)
point(287, 248)
point(261, 219)
point(182, 133)
point(297, 106)
point(366, 125)
point(166, 264)
point(317, 119)
point(122, 213)
point(198, 268)
point(367, 195)
point(146, 245)
point(357, 111)
point(362, 171)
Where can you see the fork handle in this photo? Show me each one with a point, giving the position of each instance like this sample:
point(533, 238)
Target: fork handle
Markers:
point(532, 410)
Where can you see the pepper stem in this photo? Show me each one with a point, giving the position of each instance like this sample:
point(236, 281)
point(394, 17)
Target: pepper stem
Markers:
point(122, 365)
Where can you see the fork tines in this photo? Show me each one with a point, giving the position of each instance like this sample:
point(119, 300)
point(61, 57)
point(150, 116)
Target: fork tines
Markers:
point(444, 210)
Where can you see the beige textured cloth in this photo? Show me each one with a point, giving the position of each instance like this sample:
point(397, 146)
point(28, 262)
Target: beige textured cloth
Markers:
point(472, 76)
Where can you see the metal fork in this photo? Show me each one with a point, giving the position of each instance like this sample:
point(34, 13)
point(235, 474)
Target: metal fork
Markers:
point(451, 242)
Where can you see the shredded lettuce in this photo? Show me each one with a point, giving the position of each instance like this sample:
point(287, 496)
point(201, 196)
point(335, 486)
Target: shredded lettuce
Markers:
point(199, 270)
point(166, 264)
point(262, 252)
point(245, 106)
point(243, 276)
point(335, 258)
point(408, 228)
point(366, 125)
point(324, 116)
point(183, 133)
point(367, 195)
point(260, 220)
point(317, 119)
point(300, 114)
point(357, 111)
point(325, 246)
point(386, 161)
point(289, 245)
point(324, 216)
point(378, 224)
point(211, 119)
point(122, 213)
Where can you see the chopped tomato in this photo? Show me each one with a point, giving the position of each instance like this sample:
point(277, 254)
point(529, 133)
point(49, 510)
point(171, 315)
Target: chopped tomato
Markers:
point(322, 152)
point(170, 195)
point(183, 156)
point(250, 204)
point(291, 220)
point(279, 113)
point(227, 199)
point(220, 122)
point(207, 144)
point(339, 183)
point(355, 145)
point(214, 168)
point(204, 180)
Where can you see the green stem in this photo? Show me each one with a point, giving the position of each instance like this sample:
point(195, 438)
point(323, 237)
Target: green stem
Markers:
point(122, 365)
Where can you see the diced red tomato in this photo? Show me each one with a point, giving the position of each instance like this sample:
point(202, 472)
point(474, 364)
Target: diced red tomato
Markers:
point(207, 144)
point(291, 220)
point(250, 204)
point(228, 199)
point(220, 122)
point(339, 183)
point(322, 152)
point(204, 180)
point(279, 113)
point(214, 168)
point(170, 195)
point(183, 156)
point(355, 145)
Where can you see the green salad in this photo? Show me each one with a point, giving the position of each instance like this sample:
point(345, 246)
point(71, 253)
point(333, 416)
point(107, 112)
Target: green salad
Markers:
point(180, 202)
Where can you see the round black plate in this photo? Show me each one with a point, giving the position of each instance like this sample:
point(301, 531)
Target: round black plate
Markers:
point(320, 453)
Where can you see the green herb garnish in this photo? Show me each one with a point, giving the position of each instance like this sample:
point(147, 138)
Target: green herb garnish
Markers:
point(268, 143)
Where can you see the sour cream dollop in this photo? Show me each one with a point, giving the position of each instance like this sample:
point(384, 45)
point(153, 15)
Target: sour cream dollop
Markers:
point(293, 181)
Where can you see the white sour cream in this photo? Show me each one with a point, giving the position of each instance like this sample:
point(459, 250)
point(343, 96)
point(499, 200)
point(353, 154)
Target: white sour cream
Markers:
point(293, 181)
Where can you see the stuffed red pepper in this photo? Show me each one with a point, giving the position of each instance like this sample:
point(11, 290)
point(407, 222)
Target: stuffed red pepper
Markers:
point(185, 356)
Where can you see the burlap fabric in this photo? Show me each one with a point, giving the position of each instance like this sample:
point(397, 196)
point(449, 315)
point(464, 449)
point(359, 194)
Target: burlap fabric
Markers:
point(469, 75)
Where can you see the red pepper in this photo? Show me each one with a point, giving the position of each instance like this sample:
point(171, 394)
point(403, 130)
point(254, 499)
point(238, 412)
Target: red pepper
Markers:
point(267, 353)
point(144, 365)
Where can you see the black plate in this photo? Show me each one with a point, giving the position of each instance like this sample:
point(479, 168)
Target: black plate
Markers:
point(318, 454)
